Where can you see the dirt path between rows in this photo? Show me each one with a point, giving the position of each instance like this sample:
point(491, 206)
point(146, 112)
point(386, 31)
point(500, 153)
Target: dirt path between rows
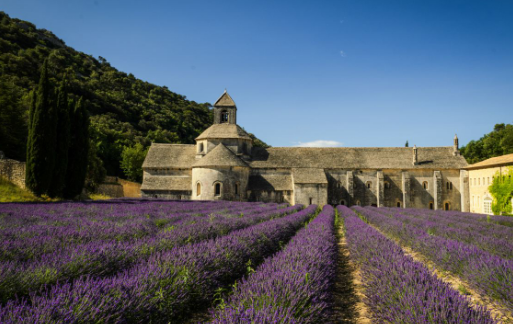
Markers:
point(349, 306)
point(456, 283)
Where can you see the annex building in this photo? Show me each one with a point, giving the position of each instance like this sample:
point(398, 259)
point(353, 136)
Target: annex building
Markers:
point(223, 164)
point(481, 176)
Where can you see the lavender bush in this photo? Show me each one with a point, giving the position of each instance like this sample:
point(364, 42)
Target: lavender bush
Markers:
point(167, 287)
point(293, 286)
point(489, 274)
point(398, 289)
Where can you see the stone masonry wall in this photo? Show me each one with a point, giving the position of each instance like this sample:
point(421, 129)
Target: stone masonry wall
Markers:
point(13, 171)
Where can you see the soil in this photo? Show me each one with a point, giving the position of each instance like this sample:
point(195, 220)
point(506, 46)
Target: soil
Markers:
point(349, 305)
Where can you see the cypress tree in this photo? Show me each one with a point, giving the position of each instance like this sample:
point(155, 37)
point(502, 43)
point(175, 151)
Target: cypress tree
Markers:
point(78, 151)
point(40, 141)
point(62, 141)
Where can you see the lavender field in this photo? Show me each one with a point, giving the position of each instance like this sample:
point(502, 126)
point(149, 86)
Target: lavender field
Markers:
point(155, 261)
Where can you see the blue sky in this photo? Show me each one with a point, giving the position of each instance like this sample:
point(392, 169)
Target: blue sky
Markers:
point(351, 73)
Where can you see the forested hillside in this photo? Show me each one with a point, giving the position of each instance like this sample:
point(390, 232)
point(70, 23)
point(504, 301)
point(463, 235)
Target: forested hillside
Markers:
point(496, 143)
point(124, 110)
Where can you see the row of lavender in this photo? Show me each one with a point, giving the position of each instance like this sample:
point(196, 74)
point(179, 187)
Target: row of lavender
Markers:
point(108, 257)
point(293, 286)
point(490, 237)
point(487, 273)
point(168, 286)
point(399, 289)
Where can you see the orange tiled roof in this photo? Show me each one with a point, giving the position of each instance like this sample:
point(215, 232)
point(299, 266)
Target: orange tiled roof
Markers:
point(495, 161)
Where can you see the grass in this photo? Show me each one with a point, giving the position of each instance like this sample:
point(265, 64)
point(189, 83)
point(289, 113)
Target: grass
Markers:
point(9, 192)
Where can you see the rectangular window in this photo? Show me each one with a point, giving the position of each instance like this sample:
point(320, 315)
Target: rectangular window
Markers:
point(487, 207)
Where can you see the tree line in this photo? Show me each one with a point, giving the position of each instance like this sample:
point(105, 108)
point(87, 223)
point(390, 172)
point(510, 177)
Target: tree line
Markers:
point(57, 142)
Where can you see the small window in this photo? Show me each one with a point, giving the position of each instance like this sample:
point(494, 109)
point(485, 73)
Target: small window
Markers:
point(358, 203)
point(431, 205)
point(342, 202)
point(311, 200)
point(425, 185)
point(200, 149)
point(236, 188)
point(447, 206)
point(369, 184)
point(447, 185)
point(244, 148)
point(399, 204)
point(478, 181)
point(450, 185)
point(218, 189)
point(198, 189)
point(224, 116)
point(487, 206)
point(387, 185)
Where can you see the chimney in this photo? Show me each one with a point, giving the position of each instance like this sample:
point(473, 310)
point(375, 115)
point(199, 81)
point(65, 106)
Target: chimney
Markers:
point(415, 160)
point(456, 146)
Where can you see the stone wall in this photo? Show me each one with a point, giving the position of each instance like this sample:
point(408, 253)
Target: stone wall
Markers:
point(13, 171)
point(117, 188)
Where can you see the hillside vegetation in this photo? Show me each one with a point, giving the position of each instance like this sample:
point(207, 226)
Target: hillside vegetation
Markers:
point(124, 110)
point(496, 143)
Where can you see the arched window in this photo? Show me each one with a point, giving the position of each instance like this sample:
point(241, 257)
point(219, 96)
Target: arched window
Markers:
point(311, 200)
point(447, 206)
point(387, 185)
point(217, 187)
point(200, 148)
point(431, 205)
point(198, 189)
point(425, 185)
point(358, 203)
point(447, 185)
point(236, 188)
point(450, 185)
point(343, 202)
point(225, 116)
point(399, 204)
point(369, 184)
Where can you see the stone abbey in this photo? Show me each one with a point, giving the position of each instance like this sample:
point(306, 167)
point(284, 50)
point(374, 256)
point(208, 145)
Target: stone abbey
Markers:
point(224, 165)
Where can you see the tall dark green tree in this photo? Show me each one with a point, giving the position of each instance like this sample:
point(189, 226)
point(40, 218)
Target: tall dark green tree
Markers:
point(41, 138)
point(12, 124)
point(78, 151)
point(62, 141)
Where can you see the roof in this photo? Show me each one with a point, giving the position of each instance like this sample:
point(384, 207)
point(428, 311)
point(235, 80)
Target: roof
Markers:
point(178, 156)
point(184, 156)
point(225, 101)
point(270, 182)
point(309, 175)
point(356, 158)
point(165, 182)
point(220, 156)
point(495, 161)
point(224, 131)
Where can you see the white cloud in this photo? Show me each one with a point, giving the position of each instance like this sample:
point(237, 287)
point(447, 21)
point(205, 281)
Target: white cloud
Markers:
point(320, 143)
point(342, 53)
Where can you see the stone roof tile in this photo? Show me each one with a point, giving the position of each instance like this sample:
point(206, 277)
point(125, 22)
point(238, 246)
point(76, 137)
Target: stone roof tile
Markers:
point(224, 131)
point(270, 182)
point(309, 175)
point(225, 101)
point(177, 156)
point(166, 182)
point(356, 158)
point(220, 156)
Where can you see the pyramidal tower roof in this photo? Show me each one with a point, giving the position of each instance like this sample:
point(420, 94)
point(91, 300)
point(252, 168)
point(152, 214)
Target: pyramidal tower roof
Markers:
point(220, 156)
point(225, 101)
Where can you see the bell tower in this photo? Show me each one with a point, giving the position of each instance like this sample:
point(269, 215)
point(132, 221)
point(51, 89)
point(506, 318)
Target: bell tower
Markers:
point(225, 111)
